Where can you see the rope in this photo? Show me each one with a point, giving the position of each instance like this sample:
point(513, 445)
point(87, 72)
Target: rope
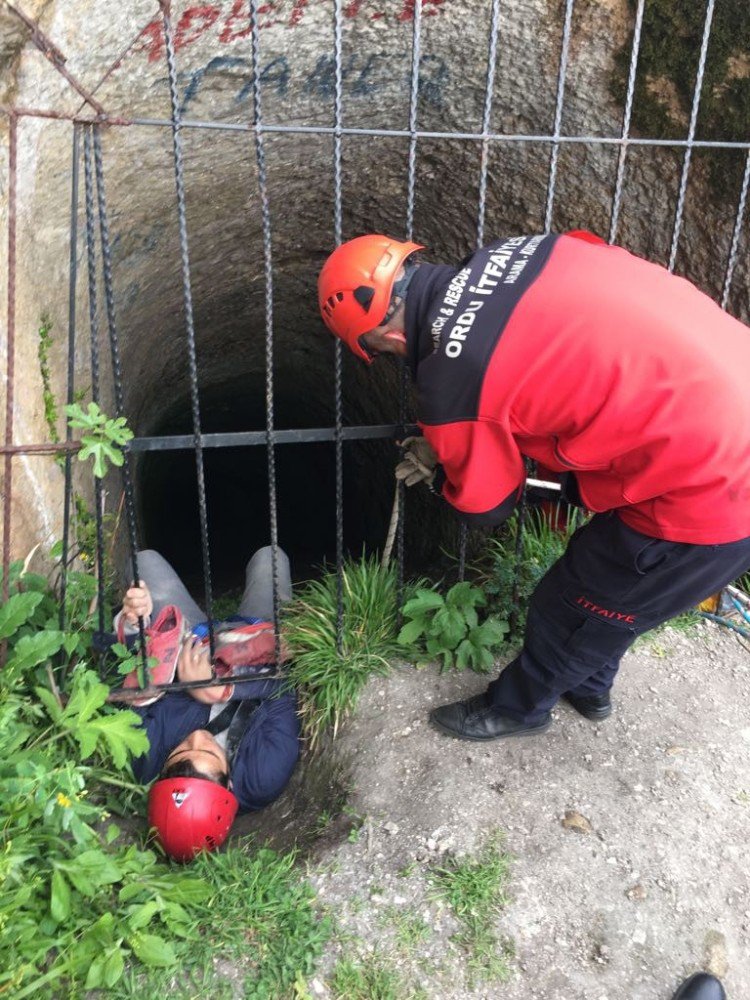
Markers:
point(95, 382)
point(260, 157)
point(617, 199)
point(187, 297)
point(691, 135)
point(116, 368)
point(394, 522)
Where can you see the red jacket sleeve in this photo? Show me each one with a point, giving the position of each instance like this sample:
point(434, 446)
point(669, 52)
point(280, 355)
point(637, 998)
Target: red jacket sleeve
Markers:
point(481, 461)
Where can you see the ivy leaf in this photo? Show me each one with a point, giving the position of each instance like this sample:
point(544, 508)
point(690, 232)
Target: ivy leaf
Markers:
point(17, 611)
point(31, 650)
point(152, 950)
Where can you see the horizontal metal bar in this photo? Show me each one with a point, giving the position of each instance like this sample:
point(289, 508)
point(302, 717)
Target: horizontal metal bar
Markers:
point(383, 133)
point(156, 690)
point(240, 439)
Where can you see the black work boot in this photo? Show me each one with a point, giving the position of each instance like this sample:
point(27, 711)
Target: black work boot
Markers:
point(593, 706)
point(701, 986)
point(476, 719)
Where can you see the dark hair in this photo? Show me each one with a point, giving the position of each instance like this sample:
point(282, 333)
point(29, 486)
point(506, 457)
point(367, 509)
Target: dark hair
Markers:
point(186, 769)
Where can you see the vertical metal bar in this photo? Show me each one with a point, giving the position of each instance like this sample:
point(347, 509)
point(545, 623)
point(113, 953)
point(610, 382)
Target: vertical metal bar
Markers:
point(72, 289)
point(734, 248)
point(691, 135)
point(187, 298)
point(94, 352)
point(338, 353)
point(403, 371)
point(617, 199)
point(463, 531)
point(109, 299)
point(11, 348)
point(487, 119)
point(260, 156)
point(558, 115)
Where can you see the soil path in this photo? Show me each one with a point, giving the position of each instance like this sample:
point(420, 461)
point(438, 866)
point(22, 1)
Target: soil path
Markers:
point(658, 887)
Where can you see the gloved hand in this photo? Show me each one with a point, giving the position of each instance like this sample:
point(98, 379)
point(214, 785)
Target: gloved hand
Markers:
point(418, 463)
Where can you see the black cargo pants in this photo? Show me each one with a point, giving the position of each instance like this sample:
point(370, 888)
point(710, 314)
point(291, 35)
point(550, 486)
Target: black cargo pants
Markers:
point(611, 585)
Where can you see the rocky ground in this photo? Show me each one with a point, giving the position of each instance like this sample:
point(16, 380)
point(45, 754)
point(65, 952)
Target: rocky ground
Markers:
point(644, 882)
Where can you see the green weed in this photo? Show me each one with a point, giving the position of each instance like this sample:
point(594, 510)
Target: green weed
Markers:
point(448, 627)
point(329, 680)
point(542, 544)
point(409, 929)
point(475, 889)
point(369, 979)
point(103, 439)
point(79, 905)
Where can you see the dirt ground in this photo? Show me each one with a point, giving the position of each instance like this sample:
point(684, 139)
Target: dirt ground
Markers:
point(655, 889)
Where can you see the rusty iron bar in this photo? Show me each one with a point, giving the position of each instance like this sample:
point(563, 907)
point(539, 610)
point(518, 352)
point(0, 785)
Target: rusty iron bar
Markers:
point(52, 53)
point(45, 448)
point(11, 351)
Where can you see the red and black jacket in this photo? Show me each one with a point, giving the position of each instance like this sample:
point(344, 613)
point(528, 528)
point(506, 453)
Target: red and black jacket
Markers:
point(592, 361)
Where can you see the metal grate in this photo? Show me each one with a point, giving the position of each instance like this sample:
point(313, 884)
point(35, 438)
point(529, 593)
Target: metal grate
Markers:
point(88, 124)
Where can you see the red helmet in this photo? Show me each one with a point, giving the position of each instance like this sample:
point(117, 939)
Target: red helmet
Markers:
point(355, 285)
point(190, 815)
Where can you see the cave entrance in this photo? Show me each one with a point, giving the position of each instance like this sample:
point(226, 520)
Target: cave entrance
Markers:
point(237, 487)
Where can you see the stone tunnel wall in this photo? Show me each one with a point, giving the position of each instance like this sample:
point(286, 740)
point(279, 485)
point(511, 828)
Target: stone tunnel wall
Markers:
point(224, 225)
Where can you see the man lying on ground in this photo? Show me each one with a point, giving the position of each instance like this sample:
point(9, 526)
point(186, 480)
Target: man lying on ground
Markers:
point(213, 750)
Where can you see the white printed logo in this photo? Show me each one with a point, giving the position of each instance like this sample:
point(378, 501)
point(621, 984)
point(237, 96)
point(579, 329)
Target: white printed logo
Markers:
point(179, 798)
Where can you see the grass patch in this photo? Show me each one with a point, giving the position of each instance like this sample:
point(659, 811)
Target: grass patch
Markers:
point(370, 979)
point(409, 929)
point(475, 889)
point(257, 919)
point(329, 680)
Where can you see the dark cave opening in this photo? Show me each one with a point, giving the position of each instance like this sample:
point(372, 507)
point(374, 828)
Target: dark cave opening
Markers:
point(237, 495)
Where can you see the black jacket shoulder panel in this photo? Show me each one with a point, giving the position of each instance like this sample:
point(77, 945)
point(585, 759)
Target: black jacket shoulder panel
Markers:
point(465, 321)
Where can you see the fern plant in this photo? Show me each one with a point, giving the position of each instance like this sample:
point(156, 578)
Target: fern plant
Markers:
point(448, 628)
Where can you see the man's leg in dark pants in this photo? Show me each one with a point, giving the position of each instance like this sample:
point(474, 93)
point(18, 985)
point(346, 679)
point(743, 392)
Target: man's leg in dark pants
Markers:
point(611, 585)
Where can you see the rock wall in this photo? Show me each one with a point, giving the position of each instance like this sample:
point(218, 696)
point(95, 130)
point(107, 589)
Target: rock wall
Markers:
point(118, 51)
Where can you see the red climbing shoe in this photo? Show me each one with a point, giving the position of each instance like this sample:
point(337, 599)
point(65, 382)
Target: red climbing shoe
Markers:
point(163, 644)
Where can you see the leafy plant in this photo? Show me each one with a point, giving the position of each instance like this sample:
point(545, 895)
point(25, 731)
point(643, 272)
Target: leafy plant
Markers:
point(448, 627)
point(104, 436)
point(476, 890)
point(80, 909)
point(543, 540)
point(330, 679)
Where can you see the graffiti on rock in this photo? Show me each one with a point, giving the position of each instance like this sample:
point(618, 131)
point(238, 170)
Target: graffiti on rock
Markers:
point(361, 76)
point(230, 23)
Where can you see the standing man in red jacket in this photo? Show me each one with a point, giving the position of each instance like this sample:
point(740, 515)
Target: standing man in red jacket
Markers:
point(594, 363)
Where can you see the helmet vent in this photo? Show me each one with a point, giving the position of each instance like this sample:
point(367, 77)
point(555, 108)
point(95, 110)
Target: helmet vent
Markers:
point(364, 294)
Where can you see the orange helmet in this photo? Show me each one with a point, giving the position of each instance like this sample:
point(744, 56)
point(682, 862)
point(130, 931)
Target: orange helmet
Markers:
point(355, 286)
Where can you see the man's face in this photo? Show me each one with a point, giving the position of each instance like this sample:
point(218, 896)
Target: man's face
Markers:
point(203, 752)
